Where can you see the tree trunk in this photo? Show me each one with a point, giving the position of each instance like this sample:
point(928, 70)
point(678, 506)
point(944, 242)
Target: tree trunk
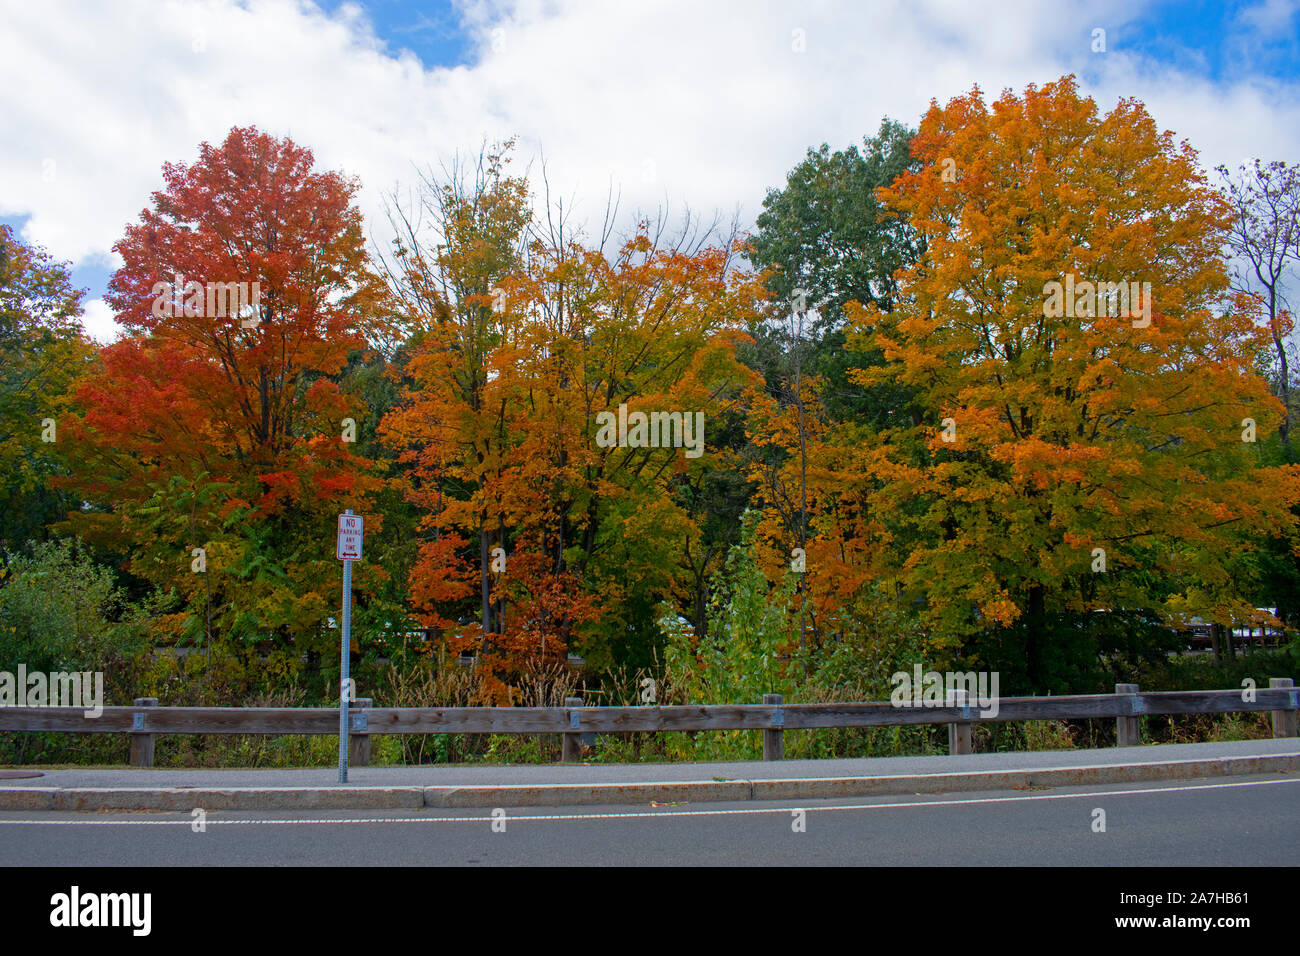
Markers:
point(1284, 385)
point(1285, 429)
point(1035, 621)
point(1221, 638)
point(484, 579)
point(499, 606)
point(803, 492)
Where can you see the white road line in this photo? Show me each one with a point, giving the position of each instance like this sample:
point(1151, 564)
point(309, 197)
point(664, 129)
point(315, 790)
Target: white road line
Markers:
point(636, 814)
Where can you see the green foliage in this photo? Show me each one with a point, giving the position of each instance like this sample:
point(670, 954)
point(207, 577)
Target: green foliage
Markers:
point(42, 351)
point(224, 675)
point(827, 234)
point(1204, 671)
point(61, 611)
point(741, 656)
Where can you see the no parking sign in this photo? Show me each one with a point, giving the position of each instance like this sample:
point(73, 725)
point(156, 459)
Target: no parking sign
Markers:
point(352, 530)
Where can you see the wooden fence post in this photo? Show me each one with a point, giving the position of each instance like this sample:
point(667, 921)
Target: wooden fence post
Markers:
point(572, 749)
point(1284, 721)
point(1128, 730)
point(358, 732)
point(774, 740)
point(142, 743)
point(959, 735)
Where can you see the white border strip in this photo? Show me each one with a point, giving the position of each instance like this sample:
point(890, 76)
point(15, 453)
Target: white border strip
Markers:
point(636, 814)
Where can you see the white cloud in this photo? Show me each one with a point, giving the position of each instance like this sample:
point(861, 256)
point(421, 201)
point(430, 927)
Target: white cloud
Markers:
point(710, 98)
point(97, 319)
point(1271, 16)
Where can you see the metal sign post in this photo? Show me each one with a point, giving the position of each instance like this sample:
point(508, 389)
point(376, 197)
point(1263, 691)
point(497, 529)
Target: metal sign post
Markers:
point(352, 530)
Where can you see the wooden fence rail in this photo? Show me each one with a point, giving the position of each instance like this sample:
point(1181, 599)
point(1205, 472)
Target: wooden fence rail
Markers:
point(1127, 705)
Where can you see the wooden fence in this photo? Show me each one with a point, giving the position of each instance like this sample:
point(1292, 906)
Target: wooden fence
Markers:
point(145, 720)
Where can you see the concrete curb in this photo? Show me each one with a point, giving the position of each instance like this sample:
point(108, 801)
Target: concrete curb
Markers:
point(580, 794)
point(821, 788)
point(588, 794)
point(212, 798)
point(1023, 779)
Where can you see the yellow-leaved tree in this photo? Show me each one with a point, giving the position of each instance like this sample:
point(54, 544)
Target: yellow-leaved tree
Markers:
point(1084, 463)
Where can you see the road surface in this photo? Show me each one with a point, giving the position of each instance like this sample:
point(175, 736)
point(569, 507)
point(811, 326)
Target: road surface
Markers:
point(1240, 821)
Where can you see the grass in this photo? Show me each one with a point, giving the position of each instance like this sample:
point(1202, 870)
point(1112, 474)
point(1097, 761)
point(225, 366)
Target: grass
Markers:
point(452, 687)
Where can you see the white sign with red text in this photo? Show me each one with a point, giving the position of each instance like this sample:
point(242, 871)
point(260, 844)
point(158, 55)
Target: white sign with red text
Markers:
point(352, 529)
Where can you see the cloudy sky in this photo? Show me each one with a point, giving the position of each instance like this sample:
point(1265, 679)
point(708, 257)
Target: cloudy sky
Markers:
point(706, 103)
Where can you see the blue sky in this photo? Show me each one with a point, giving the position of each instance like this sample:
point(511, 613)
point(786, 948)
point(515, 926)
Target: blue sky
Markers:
point(672, 103)
point(91, 273)
point(1221, 40)
point(1211, 37)
point(432, 31)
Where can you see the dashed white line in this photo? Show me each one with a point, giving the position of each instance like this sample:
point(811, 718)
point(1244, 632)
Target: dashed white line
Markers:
point(643, 814)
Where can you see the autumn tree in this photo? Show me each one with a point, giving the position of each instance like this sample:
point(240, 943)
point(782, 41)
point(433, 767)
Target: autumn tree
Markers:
point(1087, 459)
point(453, 249)
point(650, 329)
point(219, 433)
point(524, 337)
point(825, 240)
point(42, 353)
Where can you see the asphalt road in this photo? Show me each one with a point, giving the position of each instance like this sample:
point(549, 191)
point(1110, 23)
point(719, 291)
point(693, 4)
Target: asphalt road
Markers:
point(1245, 821)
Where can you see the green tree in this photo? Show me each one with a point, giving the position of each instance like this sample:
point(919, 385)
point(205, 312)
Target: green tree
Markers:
point(42, 351)
point(59, 610)
point(825, 235)
point(824, 240)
